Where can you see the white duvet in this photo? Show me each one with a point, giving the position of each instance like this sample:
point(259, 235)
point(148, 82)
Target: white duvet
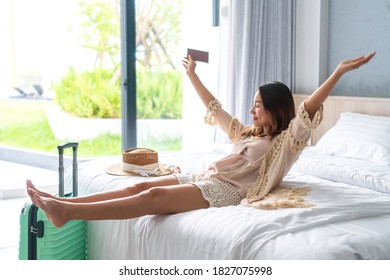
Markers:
point(346, 222)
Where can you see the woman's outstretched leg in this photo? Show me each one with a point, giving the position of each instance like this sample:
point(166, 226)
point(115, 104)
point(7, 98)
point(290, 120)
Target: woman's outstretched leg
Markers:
point(159, 200)
point(108, 195)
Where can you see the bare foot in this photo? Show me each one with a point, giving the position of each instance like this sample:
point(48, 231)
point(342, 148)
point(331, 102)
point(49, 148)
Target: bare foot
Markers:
point(31, 188)
point(32, 191)
point(54, 210)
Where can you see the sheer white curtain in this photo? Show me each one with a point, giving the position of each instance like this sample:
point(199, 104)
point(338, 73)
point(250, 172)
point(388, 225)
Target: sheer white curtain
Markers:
point(257, 45)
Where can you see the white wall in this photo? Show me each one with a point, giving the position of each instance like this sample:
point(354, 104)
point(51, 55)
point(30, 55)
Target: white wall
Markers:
point(312, 44)
point(198, 33)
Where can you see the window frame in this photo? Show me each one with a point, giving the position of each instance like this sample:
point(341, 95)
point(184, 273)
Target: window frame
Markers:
point(128, 74)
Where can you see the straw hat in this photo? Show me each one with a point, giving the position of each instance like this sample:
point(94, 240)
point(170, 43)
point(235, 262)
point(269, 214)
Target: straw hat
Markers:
point(139, 162)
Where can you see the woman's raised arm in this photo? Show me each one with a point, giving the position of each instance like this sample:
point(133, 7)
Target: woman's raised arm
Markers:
point(319, 96)
point(204, 94)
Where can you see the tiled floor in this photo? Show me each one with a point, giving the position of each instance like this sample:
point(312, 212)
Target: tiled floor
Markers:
point(12, 199)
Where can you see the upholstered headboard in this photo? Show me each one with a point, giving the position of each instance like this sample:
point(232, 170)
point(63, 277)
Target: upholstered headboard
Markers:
point(335, 105)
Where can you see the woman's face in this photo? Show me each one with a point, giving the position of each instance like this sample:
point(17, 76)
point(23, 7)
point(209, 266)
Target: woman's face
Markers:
point(260, 117)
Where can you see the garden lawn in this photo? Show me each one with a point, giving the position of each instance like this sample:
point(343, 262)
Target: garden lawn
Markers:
point(23, 124)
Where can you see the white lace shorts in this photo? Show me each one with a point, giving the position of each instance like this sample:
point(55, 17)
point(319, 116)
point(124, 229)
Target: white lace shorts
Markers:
point(217, 192)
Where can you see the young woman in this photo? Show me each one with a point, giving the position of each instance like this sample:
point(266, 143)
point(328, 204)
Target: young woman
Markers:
point(262, 155)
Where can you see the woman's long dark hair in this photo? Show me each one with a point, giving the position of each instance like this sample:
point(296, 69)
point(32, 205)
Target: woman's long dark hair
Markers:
point(279, 105)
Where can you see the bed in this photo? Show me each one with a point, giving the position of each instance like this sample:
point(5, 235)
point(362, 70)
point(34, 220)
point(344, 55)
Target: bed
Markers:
point(349, 180)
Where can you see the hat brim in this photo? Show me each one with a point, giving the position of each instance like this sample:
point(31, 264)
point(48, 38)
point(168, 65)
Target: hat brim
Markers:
point(117, 170)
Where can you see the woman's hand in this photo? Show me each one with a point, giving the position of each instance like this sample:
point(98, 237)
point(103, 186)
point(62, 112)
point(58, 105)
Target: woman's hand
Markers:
point(353, 64)
point(189, 64)
point(321, 94)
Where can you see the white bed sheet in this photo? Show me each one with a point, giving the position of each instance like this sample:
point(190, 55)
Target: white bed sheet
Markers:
point(346, 222)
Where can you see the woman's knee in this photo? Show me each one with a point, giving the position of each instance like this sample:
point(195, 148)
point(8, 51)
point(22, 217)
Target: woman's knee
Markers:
point(156, 182)
point(154, 197)
point(154, 193)
point(139, 187)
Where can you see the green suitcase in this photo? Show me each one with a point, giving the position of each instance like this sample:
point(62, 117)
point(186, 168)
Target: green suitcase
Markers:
point(39, 239)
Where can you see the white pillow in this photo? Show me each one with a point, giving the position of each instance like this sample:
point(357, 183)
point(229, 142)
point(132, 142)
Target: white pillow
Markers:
point(358, 136)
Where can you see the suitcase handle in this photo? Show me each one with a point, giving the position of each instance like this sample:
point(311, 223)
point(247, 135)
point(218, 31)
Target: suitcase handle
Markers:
point(61, 168)
point(62, 147)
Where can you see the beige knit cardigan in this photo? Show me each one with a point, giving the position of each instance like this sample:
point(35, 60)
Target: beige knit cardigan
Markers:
point(268, 192)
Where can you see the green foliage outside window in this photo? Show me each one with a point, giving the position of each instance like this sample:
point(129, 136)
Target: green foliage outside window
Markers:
point(89, 94)
point(96, 93)
point(92, 94)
